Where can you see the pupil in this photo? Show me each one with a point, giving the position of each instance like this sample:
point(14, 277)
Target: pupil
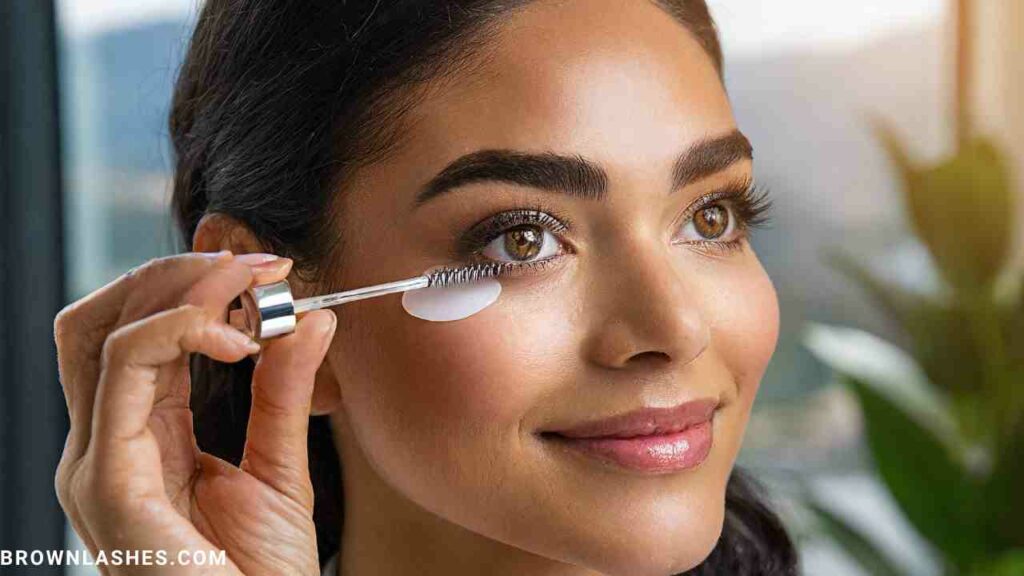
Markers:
point(712, 221)
point(523, 242)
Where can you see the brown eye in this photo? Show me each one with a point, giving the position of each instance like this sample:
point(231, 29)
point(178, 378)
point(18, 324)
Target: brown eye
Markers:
point(523, 242)
point(711, 222)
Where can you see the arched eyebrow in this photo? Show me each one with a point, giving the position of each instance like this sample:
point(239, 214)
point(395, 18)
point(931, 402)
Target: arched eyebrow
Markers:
point(710, 156)
point(575, 175)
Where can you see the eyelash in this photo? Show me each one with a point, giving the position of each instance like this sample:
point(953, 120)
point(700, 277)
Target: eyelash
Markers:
point(748, 203)
point(471, 244)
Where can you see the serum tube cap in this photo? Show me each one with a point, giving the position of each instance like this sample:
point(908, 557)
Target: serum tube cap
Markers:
point(267, 311)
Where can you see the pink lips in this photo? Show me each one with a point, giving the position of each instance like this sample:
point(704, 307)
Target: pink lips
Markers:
point(650, 439)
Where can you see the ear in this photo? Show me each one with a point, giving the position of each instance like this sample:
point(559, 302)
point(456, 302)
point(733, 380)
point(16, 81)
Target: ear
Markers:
point(220, 232)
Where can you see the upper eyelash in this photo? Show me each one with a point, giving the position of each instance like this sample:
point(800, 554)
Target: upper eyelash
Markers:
point(752, 204)
point(482, 233)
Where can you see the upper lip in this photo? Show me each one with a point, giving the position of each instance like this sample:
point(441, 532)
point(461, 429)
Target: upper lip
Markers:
point(646, 421)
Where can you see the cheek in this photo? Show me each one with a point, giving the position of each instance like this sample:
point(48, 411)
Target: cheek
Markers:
point(439, 397)
point(489, 369)
point(744, 313)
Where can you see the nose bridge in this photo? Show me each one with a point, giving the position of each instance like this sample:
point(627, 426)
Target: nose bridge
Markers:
point(647, 308)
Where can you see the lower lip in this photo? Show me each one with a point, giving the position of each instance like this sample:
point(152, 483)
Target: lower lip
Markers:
point(655, 453)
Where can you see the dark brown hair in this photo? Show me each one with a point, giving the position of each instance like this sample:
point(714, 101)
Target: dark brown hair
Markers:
point(276, 105)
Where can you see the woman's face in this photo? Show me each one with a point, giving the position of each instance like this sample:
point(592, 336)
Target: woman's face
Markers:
point(440, 422)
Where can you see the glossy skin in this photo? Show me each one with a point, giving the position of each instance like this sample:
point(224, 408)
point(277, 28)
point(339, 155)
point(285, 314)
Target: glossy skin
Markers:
point(436, 423)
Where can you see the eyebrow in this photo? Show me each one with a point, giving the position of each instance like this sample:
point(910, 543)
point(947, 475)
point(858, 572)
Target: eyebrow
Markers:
point(575, 175)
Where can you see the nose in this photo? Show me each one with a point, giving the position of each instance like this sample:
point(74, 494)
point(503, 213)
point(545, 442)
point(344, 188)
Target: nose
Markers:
point(647, 314)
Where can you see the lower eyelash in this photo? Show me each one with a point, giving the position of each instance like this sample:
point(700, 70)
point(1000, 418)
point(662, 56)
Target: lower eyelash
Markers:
point(720, 247)
point(511, 268)
point(751, 205)
point(533, 265)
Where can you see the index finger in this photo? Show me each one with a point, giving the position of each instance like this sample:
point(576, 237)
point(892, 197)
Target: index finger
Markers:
point(100, 310)
point(81, 328)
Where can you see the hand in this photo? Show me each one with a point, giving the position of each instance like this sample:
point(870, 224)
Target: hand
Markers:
point(131, 476)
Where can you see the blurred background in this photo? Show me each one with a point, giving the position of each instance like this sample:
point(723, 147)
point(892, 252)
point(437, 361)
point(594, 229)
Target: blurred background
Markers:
point(830, 94)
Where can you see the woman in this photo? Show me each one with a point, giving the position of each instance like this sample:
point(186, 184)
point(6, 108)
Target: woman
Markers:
point(342, 144)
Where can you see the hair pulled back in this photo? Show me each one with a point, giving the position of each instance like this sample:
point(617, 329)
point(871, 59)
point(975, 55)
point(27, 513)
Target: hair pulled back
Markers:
point(276, 105)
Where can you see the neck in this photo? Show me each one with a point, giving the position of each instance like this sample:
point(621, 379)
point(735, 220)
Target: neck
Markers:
point(386, 534)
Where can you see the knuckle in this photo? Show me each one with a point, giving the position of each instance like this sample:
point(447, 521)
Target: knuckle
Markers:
point(191, 310)
point(71, 491)
point(156, 269)
point(114, 348)
point(118, 346)
point(65, 323)
point(61, 482)
point(145, 271)
point(193, 314)
point(195, 319)
point(142, 271)
point(71, 320)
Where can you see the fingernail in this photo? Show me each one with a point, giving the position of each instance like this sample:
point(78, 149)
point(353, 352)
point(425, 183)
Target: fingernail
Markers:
point(275, 266)
point(221, 255)
point(256, 258)
point(329, 328)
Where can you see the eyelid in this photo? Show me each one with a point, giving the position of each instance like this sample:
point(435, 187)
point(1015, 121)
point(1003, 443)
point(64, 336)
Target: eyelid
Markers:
point(747, 202)
point(729, 192)
point(479, 235)
point(748, 205)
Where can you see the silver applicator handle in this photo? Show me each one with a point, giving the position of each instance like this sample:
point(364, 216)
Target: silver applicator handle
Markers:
point(269, 310)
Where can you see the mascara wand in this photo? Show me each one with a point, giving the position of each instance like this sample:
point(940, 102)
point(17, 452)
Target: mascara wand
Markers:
point(269, 310)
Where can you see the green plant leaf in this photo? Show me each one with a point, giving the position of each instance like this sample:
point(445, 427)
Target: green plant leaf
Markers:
point(891, 372)
point(941, 346)
point(856, 545)
point(962, 208)
point(905, 166)
point(1009, 564)
point(934, 492)
point(1012, 316)
point(902, 304)
point(1004, 493)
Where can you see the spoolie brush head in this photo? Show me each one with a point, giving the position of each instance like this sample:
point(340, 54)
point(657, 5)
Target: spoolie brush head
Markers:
point(446, 276)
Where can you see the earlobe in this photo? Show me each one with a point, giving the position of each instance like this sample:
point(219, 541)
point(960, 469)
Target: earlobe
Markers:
point(326, 391)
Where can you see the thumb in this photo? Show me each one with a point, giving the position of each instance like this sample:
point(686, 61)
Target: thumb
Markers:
point(282, 391)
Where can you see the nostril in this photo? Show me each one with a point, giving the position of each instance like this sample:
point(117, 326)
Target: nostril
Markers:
point(651, 357)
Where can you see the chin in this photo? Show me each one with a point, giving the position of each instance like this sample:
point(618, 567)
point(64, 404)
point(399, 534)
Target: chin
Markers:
point(651, 553)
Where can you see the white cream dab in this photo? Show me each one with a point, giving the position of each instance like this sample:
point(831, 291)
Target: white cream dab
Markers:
point(441, 304)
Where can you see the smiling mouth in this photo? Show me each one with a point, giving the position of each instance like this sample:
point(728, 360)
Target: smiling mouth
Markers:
point(654, 453)
point(645, 421)
point(646, 440)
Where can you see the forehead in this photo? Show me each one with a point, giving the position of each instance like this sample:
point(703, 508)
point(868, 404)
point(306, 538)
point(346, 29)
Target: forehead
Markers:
point(616, 81)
